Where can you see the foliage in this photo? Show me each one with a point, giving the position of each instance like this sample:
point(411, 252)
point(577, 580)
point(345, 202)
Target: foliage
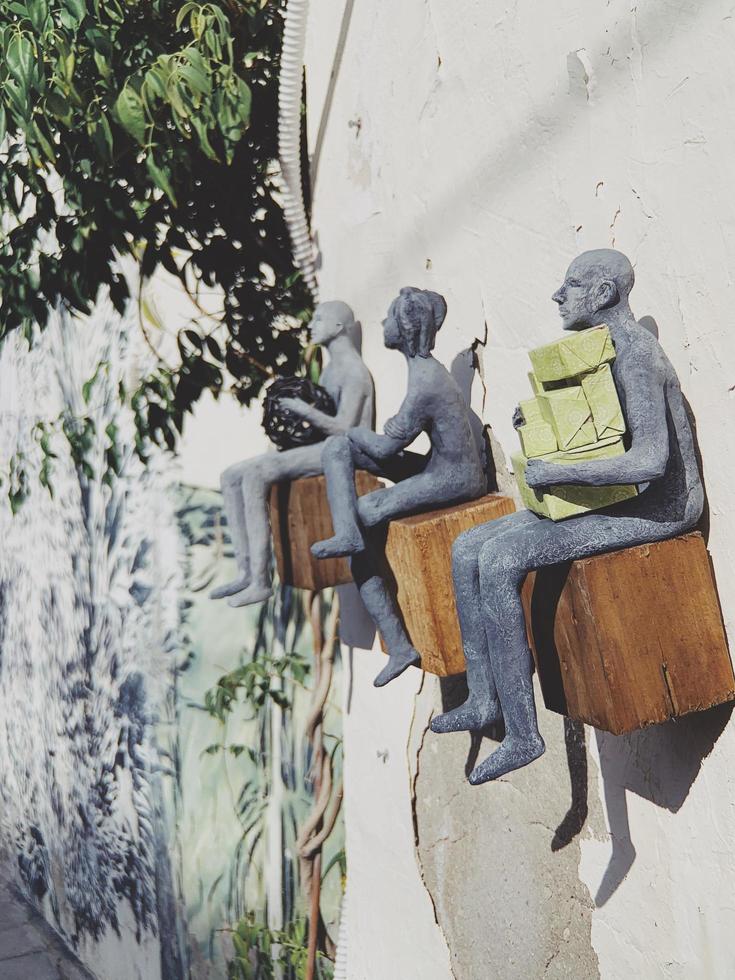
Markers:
point(148, 128)
point(259, 951)
point(270, 685)
point(255, 681)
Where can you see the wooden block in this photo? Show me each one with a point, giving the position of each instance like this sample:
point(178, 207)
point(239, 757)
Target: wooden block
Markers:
point(418, 551)
point(630, 638)
point(300, 516)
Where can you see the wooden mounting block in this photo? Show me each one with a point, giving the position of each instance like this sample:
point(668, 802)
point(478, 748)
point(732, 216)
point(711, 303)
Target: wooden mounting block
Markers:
point(630, 638)
point(300, 516)
point(418, 553)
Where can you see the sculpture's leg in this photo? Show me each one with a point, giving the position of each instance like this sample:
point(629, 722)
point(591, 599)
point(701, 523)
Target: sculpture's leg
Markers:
point(339, 468)
point(412, 495)
point(482, 707)
point(524, 543)
point(256, 482)
point(503, 568)
point(382, 608)
point(234, 511)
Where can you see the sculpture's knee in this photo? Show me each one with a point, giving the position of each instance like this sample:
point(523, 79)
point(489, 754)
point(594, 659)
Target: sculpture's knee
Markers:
point(231, 476)
point(501, 565)
point(256, 475)
point(465, 555)
point(370, 510)
point(336, 448)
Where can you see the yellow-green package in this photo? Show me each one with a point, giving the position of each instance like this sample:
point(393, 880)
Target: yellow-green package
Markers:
point(576, 354)
point(568, 501)
point(602, 398)
point(531, 410)
point(567, 411)
point(536, 385)
point(538, 439)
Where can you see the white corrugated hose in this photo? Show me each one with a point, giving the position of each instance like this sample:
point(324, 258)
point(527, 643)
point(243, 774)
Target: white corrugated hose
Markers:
point(340, 966)
point(289, 150)
point(289, 138)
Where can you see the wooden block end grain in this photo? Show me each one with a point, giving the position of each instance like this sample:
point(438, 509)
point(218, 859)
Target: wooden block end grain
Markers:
point(418, 553)
point(630, 638)
point(300, 516)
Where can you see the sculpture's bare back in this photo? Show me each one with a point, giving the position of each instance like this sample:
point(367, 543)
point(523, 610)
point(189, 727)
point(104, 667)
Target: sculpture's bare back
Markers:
point(452, 471)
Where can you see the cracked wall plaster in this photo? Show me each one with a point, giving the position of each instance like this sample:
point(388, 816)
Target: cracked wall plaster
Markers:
point(500, 138)
point(503, 873)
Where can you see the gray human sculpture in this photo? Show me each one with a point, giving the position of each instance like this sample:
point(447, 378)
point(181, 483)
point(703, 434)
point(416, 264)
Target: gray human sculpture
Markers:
point(490, 562)
point(451, 472)
point(246, 485)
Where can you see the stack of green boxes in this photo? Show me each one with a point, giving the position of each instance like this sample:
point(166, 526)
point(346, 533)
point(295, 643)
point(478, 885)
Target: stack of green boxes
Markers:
point(575, 415)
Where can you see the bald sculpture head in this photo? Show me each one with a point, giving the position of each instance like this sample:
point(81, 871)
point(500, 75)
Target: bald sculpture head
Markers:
point(333, 318)
point(597, 284)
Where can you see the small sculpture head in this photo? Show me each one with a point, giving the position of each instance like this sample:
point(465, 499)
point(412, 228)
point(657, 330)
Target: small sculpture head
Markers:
point(331, 320)
point(413, 321)
point(596, 283)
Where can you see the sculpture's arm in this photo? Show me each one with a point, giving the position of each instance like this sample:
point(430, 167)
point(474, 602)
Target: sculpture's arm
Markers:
point(648, 455)
point(399, 432)
point(351, 404)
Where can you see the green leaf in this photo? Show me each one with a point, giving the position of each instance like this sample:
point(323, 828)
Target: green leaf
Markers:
point(77, 9)
point(37, 13)
point(161, 178)
point(131, 114)
point(20, 59)
point(58, 106)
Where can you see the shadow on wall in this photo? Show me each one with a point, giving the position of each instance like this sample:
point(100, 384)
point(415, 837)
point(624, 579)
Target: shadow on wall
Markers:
point(659, 764)
point(463, 370)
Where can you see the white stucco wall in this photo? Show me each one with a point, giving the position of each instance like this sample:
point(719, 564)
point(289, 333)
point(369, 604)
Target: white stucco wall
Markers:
point(474, 147)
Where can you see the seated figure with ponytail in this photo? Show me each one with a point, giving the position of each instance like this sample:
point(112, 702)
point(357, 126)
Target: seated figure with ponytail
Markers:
point(450, 473)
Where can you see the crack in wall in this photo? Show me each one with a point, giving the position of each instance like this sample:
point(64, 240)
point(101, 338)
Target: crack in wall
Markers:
point(414, 766)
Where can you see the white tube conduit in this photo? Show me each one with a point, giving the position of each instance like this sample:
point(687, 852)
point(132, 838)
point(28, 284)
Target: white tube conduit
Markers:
point(340, 966)
point(289, 150)
point(289, 138)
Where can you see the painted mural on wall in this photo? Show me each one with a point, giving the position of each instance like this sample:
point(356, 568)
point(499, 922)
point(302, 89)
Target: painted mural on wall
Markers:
point(244, 696)
point(89, 586)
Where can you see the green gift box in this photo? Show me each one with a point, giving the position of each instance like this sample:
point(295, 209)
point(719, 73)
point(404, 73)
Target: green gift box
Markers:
point(569, 414)
point(561, 502)
point(537, 438)
point(531, 411)
point(536, 385)
point(574, 355)
point(602, 398)
point(566, 501)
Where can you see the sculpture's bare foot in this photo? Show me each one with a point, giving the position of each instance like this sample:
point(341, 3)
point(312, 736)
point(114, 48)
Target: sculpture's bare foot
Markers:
point(468, 717)
point(230, 588)
point(514, 753)
point(338, 546)
point(257, 592)
point(396, 665)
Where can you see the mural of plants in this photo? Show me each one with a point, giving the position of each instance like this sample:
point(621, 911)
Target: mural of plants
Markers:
point(266, 735)
point(171, 772)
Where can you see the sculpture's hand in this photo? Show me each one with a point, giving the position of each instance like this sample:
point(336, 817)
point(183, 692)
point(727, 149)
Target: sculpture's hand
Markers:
point(540, 474)
point(394, 429)
point(518, 417)
point(295, 405)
